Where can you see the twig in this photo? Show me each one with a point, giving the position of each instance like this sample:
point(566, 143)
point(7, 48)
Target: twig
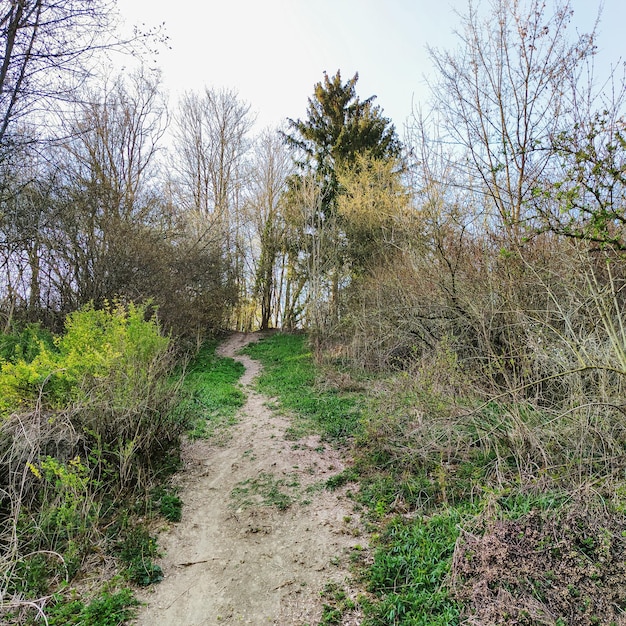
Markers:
point(188, 563)
point(285, 584)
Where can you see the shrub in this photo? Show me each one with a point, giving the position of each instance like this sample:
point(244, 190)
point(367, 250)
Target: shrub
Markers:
point(115, 344)
point(25, 344)
point(86, 421)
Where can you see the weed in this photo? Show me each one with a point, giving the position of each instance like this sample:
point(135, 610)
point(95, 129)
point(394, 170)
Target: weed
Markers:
point(409, 570)
point(166, 501)
point(137, 550)
point(171, 507)
point(106, 609)
point(336, 604)
point(34, 575)
point(343, 478)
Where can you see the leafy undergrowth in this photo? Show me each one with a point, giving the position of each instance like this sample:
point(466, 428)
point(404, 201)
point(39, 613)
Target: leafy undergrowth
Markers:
point(496, 513)
point(90, 426)
point(211, 397)
point(108, 608)
point(289, 374)
point(410, 569)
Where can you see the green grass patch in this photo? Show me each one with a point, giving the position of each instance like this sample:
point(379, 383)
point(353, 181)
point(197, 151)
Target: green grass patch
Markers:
point(137, 550)
point(409, 572)
point(289, 374)
point(211, 396)
point(108, 608)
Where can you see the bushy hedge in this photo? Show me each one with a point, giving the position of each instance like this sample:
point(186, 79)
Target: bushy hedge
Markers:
point(116, 342)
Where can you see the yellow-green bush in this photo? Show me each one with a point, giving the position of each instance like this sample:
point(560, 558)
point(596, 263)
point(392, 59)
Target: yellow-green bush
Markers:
point(87, 420)
point(116, 342)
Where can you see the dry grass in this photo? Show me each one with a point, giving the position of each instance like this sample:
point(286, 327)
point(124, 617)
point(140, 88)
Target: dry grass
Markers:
point(564, 567)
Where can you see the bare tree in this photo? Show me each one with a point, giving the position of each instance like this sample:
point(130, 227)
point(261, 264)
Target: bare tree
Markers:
point(105, 197)
point(47, 49)
point(211, 143)
point(270, 169)
point(502, 95)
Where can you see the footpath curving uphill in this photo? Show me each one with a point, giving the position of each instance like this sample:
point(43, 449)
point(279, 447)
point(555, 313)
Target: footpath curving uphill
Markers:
point(259, 540)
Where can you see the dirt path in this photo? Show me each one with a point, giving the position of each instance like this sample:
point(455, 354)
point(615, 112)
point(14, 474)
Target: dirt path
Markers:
point(259, 539)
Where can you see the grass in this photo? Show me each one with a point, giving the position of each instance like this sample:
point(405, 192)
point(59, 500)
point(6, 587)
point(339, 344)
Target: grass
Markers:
point(108, 608)
point(211, 396)
point(265, 490)
point(411, 564)
point(290, 375)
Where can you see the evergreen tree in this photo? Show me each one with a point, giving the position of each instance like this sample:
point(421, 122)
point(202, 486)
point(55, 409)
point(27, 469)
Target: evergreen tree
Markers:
point(340, 130)
point(339, 127)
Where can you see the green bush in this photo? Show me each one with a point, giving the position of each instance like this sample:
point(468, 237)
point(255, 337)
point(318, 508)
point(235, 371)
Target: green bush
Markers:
point(25, 344)
point(115, 343)
point(90, 421)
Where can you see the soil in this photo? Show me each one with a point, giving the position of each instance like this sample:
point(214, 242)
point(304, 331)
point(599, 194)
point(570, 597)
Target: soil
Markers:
point(260, 538)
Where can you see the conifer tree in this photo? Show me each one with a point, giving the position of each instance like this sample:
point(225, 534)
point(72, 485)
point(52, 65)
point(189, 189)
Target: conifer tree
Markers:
point(339, 127)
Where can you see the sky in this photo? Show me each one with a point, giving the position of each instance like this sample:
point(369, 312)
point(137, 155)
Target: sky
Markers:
point(272, 52)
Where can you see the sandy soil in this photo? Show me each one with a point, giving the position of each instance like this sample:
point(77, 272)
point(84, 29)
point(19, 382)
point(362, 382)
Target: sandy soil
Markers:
point(235, 559)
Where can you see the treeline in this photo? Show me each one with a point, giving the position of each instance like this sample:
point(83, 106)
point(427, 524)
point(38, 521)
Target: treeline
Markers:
point(331, 222)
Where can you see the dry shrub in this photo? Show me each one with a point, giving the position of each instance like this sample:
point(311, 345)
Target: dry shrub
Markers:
point(420, 428)
point(543, 568)
point(468, 291)
point(523, 350)
point(188, 281)
point(47, 503)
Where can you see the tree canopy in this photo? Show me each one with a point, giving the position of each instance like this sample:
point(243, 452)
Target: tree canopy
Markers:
point(340, 126)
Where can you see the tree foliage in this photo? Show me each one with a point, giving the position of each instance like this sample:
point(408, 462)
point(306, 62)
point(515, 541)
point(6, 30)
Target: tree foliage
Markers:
point(339, 126)
point(374, 211)
point(586, 199)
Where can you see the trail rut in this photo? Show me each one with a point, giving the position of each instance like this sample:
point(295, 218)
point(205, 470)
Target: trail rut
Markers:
point(259, 538)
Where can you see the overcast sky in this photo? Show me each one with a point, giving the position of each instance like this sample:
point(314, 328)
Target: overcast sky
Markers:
point(274, 51)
